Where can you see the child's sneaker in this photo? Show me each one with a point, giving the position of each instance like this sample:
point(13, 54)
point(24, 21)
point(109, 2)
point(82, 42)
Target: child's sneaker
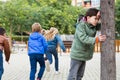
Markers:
point(57, 72)
point(47, 64)
point(45, 58)
point(38, 79)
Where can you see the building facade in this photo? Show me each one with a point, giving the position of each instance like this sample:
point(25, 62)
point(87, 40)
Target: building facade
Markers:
point(86, 3)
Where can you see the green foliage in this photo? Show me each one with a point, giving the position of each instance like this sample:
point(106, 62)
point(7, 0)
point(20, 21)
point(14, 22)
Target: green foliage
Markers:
point(117, 16)
point(19, 15)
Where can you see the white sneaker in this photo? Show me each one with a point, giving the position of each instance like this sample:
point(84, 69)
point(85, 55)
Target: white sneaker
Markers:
point(57, 72)
point(47, 64)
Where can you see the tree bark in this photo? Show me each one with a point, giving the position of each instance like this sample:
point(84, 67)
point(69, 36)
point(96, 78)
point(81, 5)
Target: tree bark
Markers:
point(108, 61)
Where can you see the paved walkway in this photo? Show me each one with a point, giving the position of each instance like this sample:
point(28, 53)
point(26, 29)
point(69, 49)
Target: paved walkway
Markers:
point(19, 68)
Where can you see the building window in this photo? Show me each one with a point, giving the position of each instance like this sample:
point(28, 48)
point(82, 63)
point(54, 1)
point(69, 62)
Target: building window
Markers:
point(87, 3)
point(95, 3)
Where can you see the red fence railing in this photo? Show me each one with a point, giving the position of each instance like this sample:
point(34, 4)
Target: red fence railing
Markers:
point(97, 46)
point(117, 46)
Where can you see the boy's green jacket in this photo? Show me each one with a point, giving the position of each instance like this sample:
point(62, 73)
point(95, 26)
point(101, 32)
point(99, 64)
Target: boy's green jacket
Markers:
point(83, 43)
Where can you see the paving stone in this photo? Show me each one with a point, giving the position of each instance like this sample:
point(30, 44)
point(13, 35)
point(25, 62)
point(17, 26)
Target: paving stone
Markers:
point(19, 68)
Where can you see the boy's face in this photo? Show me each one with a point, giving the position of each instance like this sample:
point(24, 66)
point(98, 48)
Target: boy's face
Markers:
point(92, 20)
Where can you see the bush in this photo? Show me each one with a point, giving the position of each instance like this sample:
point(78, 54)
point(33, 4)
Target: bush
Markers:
point(20, 38)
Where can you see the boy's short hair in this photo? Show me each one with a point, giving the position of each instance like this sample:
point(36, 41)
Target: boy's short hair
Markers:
point(92, 12)
point(36, 27)
point(2, 31)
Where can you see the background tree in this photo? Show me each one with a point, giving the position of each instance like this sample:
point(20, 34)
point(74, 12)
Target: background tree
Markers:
point(108, 62)
point(20, 15)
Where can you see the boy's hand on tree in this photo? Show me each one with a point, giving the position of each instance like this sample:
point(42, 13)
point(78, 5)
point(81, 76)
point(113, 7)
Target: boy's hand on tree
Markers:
point(102, 38)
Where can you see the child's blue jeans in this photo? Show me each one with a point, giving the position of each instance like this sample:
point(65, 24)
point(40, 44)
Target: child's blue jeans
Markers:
point(52, 51)
point(34, 58)
point(1, 64)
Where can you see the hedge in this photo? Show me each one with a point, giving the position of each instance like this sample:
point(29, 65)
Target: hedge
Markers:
point(20, 38)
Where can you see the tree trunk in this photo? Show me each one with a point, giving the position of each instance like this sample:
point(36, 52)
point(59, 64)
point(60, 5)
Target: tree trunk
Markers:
point(108, 62)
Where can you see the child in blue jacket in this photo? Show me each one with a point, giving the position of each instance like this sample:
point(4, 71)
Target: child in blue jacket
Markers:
point(37, 46)
point(53, 39)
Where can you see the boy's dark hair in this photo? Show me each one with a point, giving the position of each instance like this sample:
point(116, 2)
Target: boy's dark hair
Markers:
point(2, 31)
point(91, 12)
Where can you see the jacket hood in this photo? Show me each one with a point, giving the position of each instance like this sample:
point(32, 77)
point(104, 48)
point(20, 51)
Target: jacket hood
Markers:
point(35, 35)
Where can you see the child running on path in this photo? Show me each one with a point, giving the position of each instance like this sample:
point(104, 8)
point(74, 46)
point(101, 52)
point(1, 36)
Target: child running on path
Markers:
point(53, 39)
point(37, 46)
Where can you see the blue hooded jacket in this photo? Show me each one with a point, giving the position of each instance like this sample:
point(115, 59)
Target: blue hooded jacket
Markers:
point(57, 40)
point(37, 44)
